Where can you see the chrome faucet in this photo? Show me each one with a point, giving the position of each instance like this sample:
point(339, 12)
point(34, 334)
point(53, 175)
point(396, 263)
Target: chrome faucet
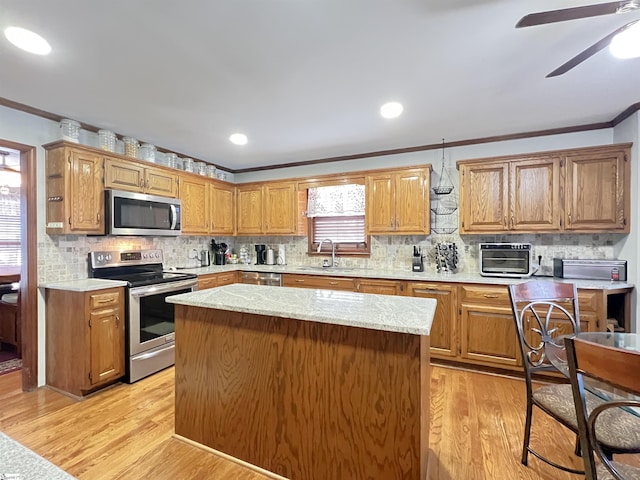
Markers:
point(333, 250)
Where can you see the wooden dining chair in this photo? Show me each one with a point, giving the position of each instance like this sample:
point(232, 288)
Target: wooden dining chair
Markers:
point(618, 369)
point(543, 311)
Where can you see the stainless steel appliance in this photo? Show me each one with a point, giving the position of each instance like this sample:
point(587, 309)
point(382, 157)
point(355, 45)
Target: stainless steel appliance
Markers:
point(149, 323)
point(507, 260)
point(262, 278)
point(130, 213)
point(615, 270)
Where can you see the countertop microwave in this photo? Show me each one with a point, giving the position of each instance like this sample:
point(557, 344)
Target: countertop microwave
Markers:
point(130, 213)
point(507, 260)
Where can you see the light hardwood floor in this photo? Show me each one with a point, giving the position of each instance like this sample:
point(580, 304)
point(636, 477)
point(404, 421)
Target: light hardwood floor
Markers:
point(125, 432)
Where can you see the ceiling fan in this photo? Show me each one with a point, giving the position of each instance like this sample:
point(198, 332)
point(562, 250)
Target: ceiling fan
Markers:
point(553, 16)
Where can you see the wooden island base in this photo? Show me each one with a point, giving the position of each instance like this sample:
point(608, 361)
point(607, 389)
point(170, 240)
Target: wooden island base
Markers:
point(304, 400)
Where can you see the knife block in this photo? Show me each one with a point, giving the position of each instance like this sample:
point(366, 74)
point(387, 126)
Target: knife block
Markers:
point(417, 264)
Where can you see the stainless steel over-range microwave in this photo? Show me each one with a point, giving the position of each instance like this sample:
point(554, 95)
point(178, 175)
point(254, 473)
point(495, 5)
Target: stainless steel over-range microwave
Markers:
point(130, 213)
point(507, 260)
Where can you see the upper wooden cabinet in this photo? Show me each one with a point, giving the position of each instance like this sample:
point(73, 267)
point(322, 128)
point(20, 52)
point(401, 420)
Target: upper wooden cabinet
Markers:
point(517, 195)
point(194, 195)
point(207, 205)
point(136, 177)
point(397, 202)
point(267, 209)
point(597, 190)
point(583, 190)
point(221, 209)
point(75, 196)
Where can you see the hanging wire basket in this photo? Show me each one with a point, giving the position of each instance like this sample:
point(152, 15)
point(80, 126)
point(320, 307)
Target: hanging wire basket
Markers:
point(444, 187)
point(444, 230)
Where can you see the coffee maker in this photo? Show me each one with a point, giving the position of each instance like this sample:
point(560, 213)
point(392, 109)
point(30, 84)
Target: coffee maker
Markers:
point(260, 248)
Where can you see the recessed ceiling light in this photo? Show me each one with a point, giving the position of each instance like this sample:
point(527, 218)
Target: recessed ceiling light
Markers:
point(626, 44)
point(27, 40)
point(391, 110)
point(238, 139)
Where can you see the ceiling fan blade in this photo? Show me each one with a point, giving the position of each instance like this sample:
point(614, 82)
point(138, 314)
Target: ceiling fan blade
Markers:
point(553, 16)
point(589, 52)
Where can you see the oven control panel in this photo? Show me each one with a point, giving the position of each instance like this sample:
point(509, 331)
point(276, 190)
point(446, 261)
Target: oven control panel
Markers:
point(104, 259)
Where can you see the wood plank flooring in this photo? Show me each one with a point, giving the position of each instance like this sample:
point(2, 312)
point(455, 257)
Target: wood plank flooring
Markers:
point(125, 432)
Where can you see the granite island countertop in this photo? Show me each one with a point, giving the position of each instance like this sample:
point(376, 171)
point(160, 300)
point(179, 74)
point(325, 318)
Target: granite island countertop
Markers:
point(379, 312)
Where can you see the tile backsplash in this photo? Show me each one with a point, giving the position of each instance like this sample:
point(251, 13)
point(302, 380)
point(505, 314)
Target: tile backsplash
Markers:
point(64, 257)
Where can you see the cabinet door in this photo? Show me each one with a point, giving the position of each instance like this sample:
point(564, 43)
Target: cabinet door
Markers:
point(488, 335)
point(280, 205)
point(249, 210)
point(107, 345)
point(382, 287)
point(596, 198)
point(123, 175)
point(443, 336)
point(227, 278)
point(222, 210)
point(535, 194)
point(380, 211)
point(86, 213)
point(195, 211)
point(484, 197)
point(160, 182)
point(410, 205)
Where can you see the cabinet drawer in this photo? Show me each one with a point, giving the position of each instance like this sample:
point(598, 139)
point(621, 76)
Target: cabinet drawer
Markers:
point(208, 281)
point(485, 294)
point(310, 281)
point(226, 278)
point(101, 300)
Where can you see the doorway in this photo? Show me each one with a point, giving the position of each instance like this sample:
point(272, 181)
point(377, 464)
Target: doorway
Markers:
point(28, 305)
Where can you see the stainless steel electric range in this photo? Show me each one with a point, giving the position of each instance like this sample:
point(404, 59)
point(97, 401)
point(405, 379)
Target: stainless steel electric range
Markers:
point(150, 325)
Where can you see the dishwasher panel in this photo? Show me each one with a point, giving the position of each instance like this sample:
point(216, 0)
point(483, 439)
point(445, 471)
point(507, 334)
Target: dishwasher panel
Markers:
point(262, 278)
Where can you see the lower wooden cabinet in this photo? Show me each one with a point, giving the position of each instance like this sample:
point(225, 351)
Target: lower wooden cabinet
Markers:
point(318, 281)
point(85, 339)
point(444, 329)
point(212, 280)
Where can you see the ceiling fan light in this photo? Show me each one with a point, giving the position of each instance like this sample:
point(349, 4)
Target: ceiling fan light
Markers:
point(626, 44)
point(391, 110)
point(27, 40)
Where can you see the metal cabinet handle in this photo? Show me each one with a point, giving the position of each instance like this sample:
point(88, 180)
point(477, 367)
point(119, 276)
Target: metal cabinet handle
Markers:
point(486, 295)
point(299, 281)
point(333, 283)
point(426, 290)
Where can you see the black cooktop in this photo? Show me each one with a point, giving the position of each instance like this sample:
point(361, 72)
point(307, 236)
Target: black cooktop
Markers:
point(139, 279)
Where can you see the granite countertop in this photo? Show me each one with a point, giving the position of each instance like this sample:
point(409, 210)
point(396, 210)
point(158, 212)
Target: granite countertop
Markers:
point(85, 285)
point(406, 275)
point(379, 312)
point(89, 284)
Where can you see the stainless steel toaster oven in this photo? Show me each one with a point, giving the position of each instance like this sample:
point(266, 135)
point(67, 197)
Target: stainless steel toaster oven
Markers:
point(506, 260)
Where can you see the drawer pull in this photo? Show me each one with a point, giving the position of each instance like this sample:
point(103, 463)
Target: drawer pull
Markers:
point(333, 283)
point(299, 281)
point(426, 290)
point(106, 300)
point(487, 295)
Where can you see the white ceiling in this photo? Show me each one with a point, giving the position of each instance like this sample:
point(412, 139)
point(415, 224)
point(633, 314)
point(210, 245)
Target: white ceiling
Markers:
point(304, 79)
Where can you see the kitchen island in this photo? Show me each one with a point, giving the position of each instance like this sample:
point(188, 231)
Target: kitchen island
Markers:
point(306, 384)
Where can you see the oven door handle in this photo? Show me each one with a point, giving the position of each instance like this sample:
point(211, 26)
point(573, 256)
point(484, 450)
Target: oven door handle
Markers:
point(162, 288)
point(174, 217)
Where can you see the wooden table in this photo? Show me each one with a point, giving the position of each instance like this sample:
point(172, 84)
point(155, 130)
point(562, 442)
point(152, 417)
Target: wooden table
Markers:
point(9, 273)
point(304, 399)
